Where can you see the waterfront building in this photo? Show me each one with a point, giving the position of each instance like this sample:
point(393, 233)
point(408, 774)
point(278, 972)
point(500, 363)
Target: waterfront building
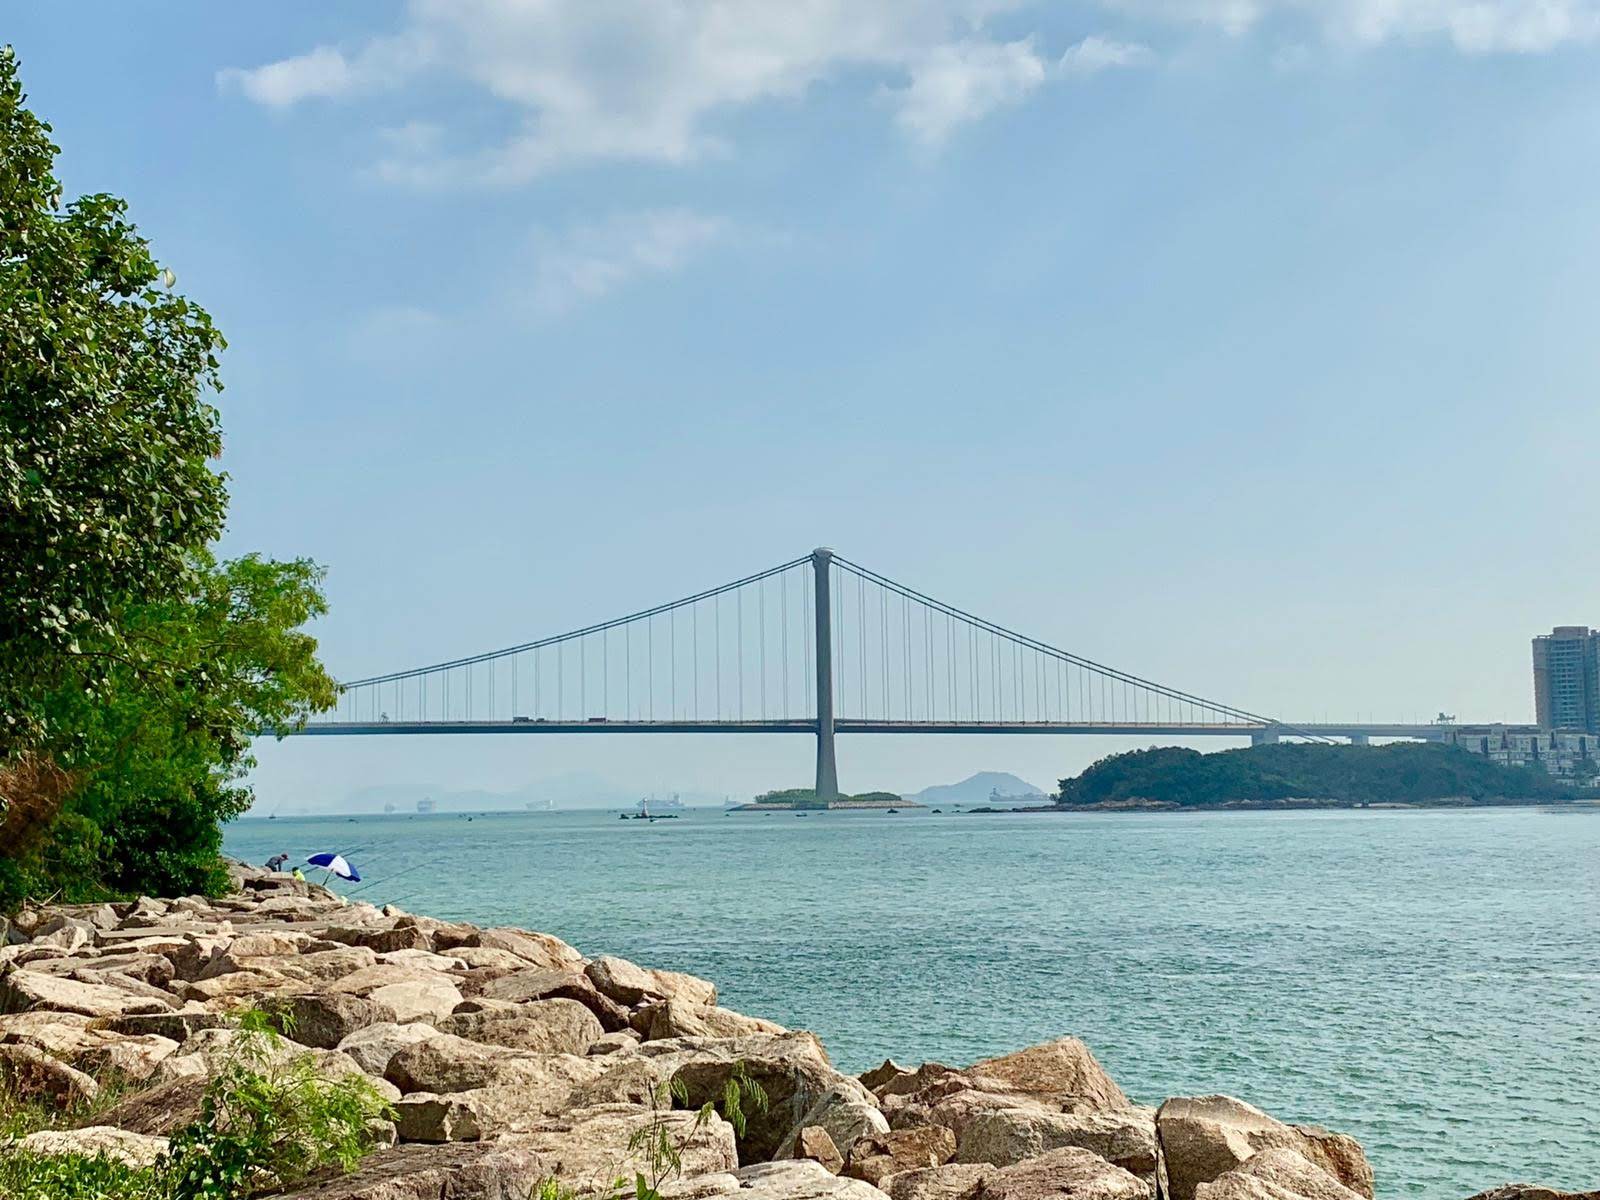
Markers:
point(1566, 679)
point(1569, 755)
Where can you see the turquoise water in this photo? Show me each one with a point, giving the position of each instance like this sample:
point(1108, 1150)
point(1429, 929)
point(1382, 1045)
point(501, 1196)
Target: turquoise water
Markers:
point(1429, 982)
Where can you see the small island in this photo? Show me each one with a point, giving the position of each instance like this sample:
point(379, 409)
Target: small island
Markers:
point(806, 800)
point(1302, 775)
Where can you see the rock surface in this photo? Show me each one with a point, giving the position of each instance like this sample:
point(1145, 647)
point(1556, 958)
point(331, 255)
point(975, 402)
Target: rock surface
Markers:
point(1068, 1172)
point(1204, 1137)
point(511, 1059)
point(1125, 1137)
point(1275, 1174)
point(97, 1141)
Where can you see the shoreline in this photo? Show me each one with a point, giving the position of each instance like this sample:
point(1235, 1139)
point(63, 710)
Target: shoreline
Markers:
point(508, 1058)
point(1161, 806)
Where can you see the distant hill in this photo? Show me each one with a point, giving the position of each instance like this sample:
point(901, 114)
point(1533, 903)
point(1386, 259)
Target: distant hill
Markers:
point(1289, 774)
point(976, 789)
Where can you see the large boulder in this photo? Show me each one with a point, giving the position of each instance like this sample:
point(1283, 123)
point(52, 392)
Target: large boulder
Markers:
point(382, 941)
point(488, 956)
point(591, 1148)
point(31, 1074)
point(457, 1171)
point(953, 1181)
point(333, 965)
point(632, 985)
point(446, 1063)
point(555, 1026)
point(1275, 1174)
point(677, 1018)
point(1533, 1191)
point(64, 933)
point(324, 1019)
point(159, 1110)
point(1204, 1137)
point(848, 1114)
point(457, 1117)
point(816, 1143)
point(224, 993)
point(373, 1046)
point(877, 1156)
point(622, 980)
point(1070, 1173)
point(97, 1141)
point(412, 995)
point(794, 1179)
point(94, 1051)
point(1063, 1072)
point(23, 990)
point(884, 1073)
point(536, 949)
point(1125, 1137)
point(546, 983)
point(1060, 1076)
point(177, 1026)
point(791, 1068)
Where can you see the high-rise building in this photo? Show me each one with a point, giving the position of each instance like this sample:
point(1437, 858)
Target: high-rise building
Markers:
point(1566, 678)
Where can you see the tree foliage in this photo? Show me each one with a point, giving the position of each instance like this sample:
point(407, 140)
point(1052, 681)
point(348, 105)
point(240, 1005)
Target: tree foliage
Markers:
point(1403, 772)
point(135, 670)
point(161, 754)
point(106, 485)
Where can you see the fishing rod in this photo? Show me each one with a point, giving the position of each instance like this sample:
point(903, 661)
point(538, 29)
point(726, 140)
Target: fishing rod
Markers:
point(387, 878)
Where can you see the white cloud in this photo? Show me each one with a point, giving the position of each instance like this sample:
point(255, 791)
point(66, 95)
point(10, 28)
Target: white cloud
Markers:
point(322, 72)
point(590, 81)
point(1096, 54)
point(959, 83)
point(589, 261)
point(641, 80)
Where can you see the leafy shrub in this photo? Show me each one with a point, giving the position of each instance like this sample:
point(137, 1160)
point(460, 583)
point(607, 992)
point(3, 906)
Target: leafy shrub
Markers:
point(264, 1124)
point(75, 1177)
point(270, 1125)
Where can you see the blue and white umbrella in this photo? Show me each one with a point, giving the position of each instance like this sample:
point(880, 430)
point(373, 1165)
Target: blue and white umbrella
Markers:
point(335, 864)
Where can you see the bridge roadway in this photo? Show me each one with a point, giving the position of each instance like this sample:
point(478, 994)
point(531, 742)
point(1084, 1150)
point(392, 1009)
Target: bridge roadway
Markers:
point(1257, 733)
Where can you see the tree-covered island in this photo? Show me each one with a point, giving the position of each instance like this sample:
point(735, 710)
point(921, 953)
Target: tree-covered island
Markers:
point(1303, 775)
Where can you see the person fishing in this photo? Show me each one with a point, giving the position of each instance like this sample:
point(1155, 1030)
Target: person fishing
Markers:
point(276, 862)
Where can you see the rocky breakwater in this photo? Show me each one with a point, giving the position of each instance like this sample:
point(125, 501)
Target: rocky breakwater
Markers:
point(510, 1061)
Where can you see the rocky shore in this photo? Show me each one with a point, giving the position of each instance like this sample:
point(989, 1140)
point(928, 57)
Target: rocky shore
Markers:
point(511, 1061)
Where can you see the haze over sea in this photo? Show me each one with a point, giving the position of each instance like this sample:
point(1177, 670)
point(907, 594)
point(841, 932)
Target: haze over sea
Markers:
point(1427, 981)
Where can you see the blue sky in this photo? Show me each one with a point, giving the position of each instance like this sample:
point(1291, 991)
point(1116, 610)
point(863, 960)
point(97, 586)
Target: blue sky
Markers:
point(1245, 344)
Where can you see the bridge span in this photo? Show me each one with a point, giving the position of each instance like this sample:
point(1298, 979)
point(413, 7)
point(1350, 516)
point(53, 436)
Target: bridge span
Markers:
point(819, 646)
point(1257, 734)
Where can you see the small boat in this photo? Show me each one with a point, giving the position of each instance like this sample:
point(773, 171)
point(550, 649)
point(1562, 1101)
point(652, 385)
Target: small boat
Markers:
point(893, 811)
point(644, 813)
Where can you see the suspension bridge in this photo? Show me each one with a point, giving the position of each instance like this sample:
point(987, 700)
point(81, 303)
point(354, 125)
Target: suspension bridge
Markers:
point(818, 645)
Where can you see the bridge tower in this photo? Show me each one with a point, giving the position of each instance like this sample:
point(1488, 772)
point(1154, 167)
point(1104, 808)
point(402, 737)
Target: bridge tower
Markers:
point(827, 769)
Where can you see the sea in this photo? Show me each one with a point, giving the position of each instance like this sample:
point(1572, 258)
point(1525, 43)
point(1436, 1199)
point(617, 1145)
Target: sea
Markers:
point(1428, 981)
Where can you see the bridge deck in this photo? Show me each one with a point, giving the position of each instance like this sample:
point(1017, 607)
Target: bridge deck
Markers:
point(1098, 728)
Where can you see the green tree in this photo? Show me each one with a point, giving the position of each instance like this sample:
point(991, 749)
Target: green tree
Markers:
point(106, 437)
point(161, 753)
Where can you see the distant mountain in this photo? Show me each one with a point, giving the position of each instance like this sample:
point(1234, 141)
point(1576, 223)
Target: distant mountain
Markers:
point(975, 790)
